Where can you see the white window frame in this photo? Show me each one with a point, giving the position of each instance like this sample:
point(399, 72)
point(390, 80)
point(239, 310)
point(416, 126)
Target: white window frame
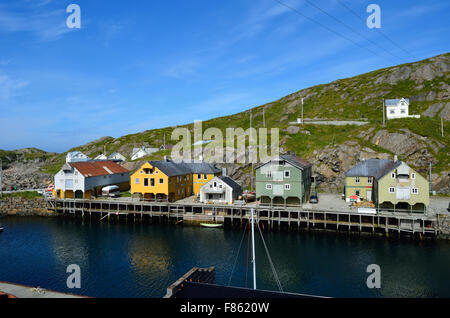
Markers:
point(269, 174)
point(137, 181)
point(413, 175)
point(369, 180)
point(268, 186)
point(357, 180)
point(288, 173)
point(416, 190)
point(393, 190)
point(287, 186)
point(393, 175)
point(161, 179)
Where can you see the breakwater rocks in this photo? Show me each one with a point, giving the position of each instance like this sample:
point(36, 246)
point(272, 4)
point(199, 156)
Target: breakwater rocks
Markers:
point(24, 207)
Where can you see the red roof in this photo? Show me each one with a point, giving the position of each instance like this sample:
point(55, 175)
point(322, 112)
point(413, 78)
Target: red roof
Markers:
point(98, 168)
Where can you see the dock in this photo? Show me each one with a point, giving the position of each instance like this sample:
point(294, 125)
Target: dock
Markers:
point(269, 217)
point(10, 290)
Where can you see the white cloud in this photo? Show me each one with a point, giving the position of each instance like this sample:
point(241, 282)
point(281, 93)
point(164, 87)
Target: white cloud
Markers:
point(45, 24)
point(9, 87)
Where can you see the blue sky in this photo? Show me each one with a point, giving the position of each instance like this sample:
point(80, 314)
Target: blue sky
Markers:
point(136, 65)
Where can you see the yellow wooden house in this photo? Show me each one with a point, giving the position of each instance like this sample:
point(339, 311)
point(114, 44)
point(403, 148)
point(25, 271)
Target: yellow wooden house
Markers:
point(169, 180)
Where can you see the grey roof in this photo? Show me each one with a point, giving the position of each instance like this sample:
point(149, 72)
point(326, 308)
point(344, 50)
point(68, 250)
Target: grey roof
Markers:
point(175, 168)
point(235, 186)
point(376, 168)
point(394, 102)
point(293, 160)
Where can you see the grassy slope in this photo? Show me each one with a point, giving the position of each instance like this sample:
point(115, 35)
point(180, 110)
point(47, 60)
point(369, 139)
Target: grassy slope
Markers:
point(352, 100)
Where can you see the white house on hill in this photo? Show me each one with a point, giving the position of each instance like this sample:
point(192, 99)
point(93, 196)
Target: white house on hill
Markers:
point(398, 108)
point(142, 152)
point(116, 156)
point(76, 156)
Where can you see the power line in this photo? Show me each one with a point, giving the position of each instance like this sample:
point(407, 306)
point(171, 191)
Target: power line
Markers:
point(328, 29)
point(351, 29)
point(378, 30)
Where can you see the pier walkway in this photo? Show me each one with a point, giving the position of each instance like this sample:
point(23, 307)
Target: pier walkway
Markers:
point(270, 217)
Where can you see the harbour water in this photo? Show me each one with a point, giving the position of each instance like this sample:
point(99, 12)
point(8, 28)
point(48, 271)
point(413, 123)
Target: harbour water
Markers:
point(142, 260)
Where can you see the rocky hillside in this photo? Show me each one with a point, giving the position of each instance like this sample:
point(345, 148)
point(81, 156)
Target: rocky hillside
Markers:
point(333, 149)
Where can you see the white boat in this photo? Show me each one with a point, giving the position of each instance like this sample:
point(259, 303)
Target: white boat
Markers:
point(211, 225)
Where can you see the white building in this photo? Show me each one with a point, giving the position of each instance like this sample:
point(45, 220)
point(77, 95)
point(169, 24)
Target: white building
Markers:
point(76, 156)
point(101, 157)
point(398, 108)
point(86, 179)
point(142, 152)
point(116, 156)
point(220, 189)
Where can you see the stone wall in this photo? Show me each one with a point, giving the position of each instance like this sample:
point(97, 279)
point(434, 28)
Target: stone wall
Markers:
point(24, 207)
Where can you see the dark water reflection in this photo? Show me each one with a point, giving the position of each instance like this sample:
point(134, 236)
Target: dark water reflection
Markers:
point(142, 260)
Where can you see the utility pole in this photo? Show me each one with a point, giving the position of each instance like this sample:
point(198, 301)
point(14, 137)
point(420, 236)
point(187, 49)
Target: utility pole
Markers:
point(442, 127)
point(383, 113)
point(253, 251)
point(302, 110)
point(429, 178)
point(264, 118)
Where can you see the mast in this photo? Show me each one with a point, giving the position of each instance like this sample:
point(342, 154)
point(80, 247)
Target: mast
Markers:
point(253, 252)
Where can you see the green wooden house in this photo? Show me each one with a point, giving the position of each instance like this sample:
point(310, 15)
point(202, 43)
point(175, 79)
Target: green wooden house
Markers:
point(285, 180)
point(390, 184)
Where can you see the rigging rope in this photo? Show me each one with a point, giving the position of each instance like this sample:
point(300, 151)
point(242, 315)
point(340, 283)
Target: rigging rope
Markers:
point(270, 261)
point(237, 256)
point(248, 248)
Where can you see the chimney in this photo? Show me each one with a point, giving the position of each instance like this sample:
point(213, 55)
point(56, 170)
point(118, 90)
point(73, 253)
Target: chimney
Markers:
point(395, 158)
point(224, 172)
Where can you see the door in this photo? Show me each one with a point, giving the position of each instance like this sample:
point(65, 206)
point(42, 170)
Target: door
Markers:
point(403, 193)
point(369, 195)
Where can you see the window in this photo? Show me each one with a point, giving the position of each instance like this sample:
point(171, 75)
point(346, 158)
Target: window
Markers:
point(287, 187)
point(357, 180)
point(413, 175)
point(393, 175)
point(76, 173)
point(415, 191)
point(369, 180)
point(145, 182)
point(269, 174)
point(199, 176)
point(220, 186)
point(268, 187)
point(152, 182)
point(141, 171)
point(161, 181)
point(215, 184)
point(156, 172)
point(402, 111)
point(357, 193)
point(205, 176)
point(287, 174)
point(391, 190)
point(136, 181)
point(392, 111)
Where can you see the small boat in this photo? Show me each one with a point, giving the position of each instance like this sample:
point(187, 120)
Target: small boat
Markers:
point(1, 229)
point(249, 196)
point(211, 225)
